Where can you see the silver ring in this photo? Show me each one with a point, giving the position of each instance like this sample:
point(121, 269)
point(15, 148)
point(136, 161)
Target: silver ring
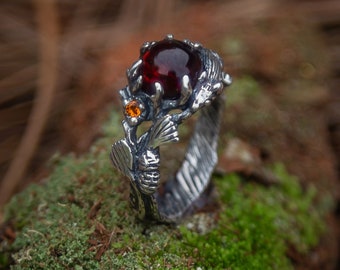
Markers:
point(171, 81)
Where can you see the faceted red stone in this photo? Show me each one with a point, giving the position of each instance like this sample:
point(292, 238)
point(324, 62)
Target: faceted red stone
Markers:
point(167, 62)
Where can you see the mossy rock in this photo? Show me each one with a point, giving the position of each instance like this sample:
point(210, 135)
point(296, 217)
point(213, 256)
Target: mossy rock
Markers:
point(80, 219)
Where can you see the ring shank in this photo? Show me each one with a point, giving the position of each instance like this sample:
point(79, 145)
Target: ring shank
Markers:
point(180, 193)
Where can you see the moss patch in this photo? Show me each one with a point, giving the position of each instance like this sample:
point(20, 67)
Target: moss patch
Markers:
point(80, 219)
point(257, 225)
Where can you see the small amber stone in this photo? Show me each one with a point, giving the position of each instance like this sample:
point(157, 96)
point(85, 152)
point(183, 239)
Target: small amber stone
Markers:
point(132, 109)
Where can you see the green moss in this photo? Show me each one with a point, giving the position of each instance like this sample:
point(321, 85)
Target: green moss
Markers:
point(80, 219)
point(257, 225)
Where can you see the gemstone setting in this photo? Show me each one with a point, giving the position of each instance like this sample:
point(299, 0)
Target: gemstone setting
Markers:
point(166, 62)
point(133, 109)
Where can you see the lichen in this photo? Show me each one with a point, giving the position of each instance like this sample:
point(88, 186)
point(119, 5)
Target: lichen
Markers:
point(79, 218)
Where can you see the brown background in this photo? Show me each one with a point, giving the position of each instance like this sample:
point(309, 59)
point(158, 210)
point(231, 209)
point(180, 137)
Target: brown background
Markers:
point(62, 62)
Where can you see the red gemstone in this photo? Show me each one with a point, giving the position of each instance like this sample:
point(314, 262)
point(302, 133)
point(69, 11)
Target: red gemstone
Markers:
point(166, 62)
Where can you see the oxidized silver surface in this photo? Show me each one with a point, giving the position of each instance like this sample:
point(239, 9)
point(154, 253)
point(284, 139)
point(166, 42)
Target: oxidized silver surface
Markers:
point(139, 159)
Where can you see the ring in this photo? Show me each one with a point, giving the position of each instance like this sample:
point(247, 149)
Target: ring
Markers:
point(170, 82)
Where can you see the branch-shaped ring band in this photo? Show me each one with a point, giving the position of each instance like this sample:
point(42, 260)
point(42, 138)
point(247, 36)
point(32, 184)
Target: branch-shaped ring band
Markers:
point(171, 81)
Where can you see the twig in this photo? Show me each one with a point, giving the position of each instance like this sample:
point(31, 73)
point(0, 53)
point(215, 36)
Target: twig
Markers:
point(46, 15)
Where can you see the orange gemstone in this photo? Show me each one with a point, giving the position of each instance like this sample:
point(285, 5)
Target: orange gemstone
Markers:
point(132, 109)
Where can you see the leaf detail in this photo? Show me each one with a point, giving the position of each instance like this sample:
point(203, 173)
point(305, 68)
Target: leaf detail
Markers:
point(164, 131)
point(121, 157)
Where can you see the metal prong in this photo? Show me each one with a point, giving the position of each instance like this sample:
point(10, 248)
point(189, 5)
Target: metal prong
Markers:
point(125, 94)
point(132, 72)
point(197, 45)
point(156, 98)
point(186, 90)
point(132, 121)
point(169, 36)
point(144, 47)
point(226, 78)
point(137, 84)
point(187, 41)
point(141, 106)
point(217, 86)
point(159, 90)
point(135, 80)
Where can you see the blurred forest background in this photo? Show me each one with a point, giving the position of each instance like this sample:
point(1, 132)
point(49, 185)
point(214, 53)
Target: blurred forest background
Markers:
point(62, 63)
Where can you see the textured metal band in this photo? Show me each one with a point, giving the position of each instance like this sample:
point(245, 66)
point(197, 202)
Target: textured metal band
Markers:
point(181, 193)
point(138, 157)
